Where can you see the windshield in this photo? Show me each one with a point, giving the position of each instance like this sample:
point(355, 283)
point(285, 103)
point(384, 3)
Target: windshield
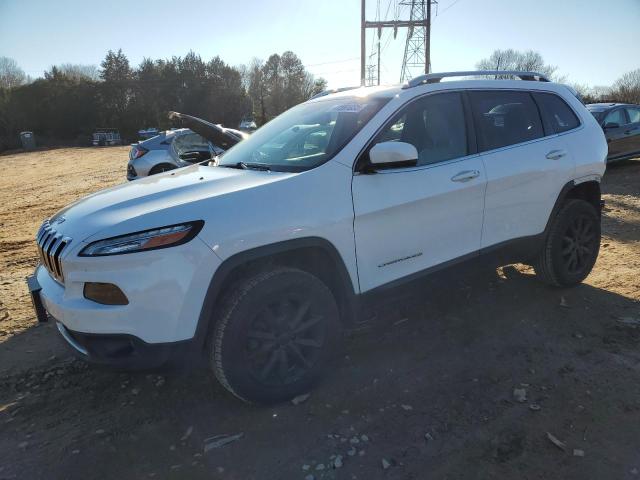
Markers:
point(305, 136)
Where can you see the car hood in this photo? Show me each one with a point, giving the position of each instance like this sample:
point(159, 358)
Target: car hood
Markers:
point(155, 201)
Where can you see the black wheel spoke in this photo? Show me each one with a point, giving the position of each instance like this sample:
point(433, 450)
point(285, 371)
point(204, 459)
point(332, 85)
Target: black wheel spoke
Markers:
point(285, 338)
point(266, 370)
point(300, 314)
point(308, 324)
point(272, 320)
point(260, 351)
point(297, 353)
point(283, 365)
point(307, 342)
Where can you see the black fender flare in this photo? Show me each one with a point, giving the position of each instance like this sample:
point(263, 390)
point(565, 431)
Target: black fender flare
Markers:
point(223, 272)
point(563, 195)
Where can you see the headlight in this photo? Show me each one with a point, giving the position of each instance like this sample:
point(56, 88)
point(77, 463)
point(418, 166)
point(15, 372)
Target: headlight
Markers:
point(154, 239)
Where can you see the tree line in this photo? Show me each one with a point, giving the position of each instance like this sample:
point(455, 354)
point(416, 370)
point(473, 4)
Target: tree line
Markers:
point(625, 89)
point(71, 101)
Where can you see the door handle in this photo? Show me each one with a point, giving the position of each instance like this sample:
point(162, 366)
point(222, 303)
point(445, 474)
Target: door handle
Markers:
point(465, 176)
point(556, 154)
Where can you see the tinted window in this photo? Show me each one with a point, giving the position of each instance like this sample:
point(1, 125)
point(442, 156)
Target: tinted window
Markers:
point(597, 114)
point(434, 125)
point(617, 116)
point(556, 112)
point(634, 114)
point(505, 118)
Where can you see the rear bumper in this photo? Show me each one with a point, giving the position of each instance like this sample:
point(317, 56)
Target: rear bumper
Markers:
point(122, 351)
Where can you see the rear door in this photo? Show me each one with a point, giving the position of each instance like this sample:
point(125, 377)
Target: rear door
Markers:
point(526, 170)
point(411, 218)
point(615, 125)
point(632, 130)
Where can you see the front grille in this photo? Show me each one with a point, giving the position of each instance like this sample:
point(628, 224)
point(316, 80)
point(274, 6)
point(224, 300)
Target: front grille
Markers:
point(51, 244)
point(131, 171)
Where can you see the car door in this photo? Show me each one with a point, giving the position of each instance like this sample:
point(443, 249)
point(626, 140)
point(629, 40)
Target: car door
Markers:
point(409, 219)
point(632, 130)
point(615, 126)
point(525, 169)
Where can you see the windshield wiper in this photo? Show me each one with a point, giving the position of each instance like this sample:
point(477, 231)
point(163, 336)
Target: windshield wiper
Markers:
point(248, 166)
point(256, 166)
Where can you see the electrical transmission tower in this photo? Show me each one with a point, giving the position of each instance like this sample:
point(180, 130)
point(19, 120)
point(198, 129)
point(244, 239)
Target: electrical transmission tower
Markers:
point(416, 50)
point(416, 54)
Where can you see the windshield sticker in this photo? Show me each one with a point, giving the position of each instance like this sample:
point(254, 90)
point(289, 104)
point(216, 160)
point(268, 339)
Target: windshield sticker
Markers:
point(349, 108)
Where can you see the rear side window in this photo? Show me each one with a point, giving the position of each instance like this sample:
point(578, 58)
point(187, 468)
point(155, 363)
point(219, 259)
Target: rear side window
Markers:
point(616, 117)
point(557, 114)
point(634, 114)
point(505, 118)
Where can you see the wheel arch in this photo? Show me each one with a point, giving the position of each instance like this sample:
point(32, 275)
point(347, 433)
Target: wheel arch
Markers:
point(588, 191)
point(315, 255)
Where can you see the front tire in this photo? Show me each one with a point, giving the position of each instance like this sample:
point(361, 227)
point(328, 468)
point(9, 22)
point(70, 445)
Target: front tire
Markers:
point(274, 336)
point(571, 247)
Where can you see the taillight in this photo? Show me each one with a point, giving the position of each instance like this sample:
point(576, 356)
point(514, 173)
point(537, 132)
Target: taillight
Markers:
point(139, 151)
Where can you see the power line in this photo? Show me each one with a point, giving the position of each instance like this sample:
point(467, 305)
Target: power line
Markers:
point(332, 61)
point(448, 7)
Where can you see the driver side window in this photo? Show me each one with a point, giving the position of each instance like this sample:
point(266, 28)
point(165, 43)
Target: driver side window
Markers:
point(435, 125)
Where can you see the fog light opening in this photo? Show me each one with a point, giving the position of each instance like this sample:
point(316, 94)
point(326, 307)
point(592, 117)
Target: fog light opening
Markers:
point(104, 293)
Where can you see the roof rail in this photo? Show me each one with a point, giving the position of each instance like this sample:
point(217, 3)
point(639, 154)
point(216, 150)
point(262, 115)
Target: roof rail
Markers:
point(436, 77)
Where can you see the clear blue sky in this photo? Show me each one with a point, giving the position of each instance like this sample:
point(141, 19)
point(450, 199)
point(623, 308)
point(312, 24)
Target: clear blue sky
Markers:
point(590, 41)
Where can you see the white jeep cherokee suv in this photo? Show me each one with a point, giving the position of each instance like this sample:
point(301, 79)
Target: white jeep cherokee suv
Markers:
point(258, 259)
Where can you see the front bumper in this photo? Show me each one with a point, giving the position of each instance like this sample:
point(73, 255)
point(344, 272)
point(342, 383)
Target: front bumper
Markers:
point(121, 351)
point(166, 290)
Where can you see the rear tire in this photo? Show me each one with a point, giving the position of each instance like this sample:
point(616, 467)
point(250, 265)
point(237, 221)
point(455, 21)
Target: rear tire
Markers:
point(274, 335)
point(571, 246)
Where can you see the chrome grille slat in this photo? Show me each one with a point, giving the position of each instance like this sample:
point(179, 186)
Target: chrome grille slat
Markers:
point(46, 248)
point(51, 245)
point(56, 257)
point(52, 254)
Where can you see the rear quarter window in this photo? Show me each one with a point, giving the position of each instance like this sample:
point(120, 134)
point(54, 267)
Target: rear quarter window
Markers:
point(557, 115)
point(505, 118)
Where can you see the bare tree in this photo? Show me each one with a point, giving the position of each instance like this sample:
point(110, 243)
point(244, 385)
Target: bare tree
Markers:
point(530, 61)
point(11, 75)
point(80, 72)
point(627, 88)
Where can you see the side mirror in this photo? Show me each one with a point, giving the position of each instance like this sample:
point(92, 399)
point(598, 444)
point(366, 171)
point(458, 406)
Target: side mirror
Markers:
point(611, 125)
point(393, 155)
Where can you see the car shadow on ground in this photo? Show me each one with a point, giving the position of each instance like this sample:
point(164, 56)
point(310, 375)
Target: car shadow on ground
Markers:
point(428, 380)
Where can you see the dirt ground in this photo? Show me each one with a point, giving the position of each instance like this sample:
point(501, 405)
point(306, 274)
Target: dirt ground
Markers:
point(426, 389)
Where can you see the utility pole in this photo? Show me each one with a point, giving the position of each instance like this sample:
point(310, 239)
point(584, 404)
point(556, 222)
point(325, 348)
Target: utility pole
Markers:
point(363, 30)
point(379, 35)
point(417, 48)
point(417, 54)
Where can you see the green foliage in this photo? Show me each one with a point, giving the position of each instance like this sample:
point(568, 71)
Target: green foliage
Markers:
point(71, 101)
point(279, 84)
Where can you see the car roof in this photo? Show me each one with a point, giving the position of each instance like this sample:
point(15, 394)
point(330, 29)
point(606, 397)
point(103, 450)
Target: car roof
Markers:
point(600, 107)
point(390, 91)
